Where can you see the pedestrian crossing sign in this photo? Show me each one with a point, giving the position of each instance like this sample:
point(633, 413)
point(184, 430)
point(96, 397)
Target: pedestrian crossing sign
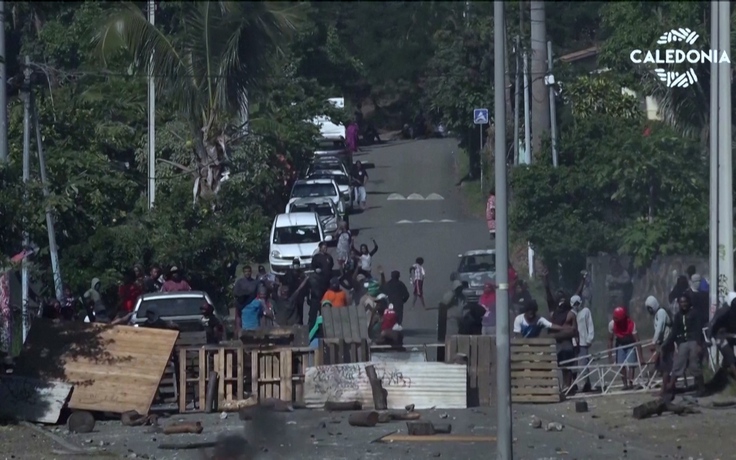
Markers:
point(480, 116)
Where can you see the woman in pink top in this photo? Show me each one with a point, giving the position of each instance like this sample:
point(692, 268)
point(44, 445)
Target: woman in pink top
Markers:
point(351, 135)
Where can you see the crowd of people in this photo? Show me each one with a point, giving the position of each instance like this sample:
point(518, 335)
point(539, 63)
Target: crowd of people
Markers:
point(677, 348)
point(348, 278)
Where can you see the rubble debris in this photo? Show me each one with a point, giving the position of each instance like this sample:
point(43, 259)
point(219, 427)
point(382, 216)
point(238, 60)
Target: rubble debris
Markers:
point(211, 401)
point(184, 427)
point(189, 445)
point(424, 428)
point(581, 406)
point(363, 418)
point(554, 426)
point(133, 418)
point(535, 423)
point(391, 415)
point(336, 406)
point(81, 421)
point(409, 408)
point(235, 406)
point(658, 407)
point(380, 395)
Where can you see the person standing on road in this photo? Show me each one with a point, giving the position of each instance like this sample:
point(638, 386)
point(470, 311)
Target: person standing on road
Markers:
point(323, 261)
point(623, 336)
point(417, 275)
point(288, 305)
point(528, 325)
point(366, 258)
point(722, 328)
point(176, 283)
point(336, 295)
point(662, 330)
point(491, 216)
point(687, 334)
point(344, 243)
point(563, 316)
point(396, 291)
point(488, 302)
point(360, 177)
point(586, 334)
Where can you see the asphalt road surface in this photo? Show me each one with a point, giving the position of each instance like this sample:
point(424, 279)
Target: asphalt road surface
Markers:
point(409, 228)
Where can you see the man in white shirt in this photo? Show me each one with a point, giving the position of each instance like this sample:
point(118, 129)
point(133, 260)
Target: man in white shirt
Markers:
point(529, 325)
point(586, 333)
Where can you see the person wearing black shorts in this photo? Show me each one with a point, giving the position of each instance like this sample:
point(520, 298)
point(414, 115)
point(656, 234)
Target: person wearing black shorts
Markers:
point(563, 316)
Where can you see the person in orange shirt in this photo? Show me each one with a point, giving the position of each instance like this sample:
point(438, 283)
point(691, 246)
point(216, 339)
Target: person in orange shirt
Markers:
point(336, 295)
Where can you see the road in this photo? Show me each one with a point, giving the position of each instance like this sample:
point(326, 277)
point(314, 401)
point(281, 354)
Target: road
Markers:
point(423, 167)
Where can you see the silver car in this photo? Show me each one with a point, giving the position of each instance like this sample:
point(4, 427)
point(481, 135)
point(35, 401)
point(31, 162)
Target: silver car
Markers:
point(475, 269)
point(323, 207)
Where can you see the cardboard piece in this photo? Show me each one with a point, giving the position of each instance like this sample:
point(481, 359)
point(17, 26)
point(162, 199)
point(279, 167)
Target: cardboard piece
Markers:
point(32, 400)
point(113, 368)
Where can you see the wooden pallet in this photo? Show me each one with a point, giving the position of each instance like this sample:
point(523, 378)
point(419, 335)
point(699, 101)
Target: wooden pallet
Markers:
point(481, 353)
point(339, 351)
point(348, 323)
point(168, 388)
point(274, 373)
point(534, 373)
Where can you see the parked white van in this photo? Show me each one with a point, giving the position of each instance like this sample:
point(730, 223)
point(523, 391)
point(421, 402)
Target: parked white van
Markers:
point(295, 235)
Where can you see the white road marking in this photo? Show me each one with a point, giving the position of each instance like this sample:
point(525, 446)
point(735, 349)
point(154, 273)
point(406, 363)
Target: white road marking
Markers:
point(395, 196)
point(415, 196)
point(427, 221)
point(434, 196)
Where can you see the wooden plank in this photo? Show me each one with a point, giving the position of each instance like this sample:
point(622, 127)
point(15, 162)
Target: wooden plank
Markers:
point(450, 348)
point(437, 438)
point(240, 385)
point(362, 323)
point(255, 388)
point(220, 358)
point(182, 380)
point(202, 377)
point(536, 399)
point(344, 328)
point(328, 327)
point(354, 323)
point(463, 346)
point(32, 400)
point(533, 357)
point(534, 391)
point(113, 368)
point(285, 372)
point(534, 366)
point(484, 372)
point(473, 391)
point(526, 382)
point(526, 373)
point(538, 341)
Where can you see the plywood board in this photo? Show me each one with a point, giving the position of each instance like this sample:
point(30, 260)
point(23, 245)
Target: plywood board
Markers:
point(349, 323)
point(426, 385)
point(32, 400)
point(113, 368)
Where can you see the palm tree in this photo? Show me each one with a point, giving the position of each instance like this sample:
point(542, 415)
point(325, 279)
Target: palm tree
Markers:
point(221, 53)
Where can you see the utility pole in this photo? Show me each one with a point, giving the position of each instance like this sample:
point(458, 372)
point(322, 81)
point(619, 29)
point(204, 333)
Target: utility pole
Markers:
point(725, 280)
point(517, 94)
point(151, 118)
point(714, 44)
point(503, 358)
point(527, 114)
point(549, 80)
point(25, 285)
point(53, 248)
point(540, 99)
point(3, 91)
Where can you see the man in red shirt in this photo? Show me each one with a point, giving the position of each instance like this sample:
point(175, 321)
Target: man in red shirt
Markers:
point(129, 292)
point(176, 283)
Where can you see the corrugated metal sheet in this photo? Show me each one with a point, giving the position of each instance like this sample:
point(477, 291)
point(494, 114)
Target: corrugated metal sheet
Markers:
point(426, 385)
point(398, 357)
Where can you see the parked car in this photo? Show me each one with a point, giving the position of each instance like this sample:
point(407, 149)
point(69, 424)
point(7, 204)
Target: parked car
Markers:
point(323, 207)
point(294, 236)
point(475, 268)
point(330, 162)
point(318, 188)
point(334, 147)
point(181, 308)
point(341, 179)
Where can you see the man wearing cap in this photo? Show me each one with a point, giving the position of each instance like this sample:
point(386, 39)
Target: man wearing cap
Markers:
point(687, 334)
point(662, 330)
point(175, 283)
point(397, 292)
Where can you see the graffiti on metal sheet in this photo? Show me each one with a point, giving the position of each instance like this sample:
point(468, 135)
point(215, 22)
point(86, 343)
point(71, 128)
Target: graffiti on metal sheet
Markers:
point(395, 378)
point(337, 380)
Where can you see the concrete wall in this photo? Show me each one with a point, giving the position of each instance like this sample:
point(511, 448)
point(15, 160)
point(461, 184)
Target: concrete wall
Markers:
point(657, 280)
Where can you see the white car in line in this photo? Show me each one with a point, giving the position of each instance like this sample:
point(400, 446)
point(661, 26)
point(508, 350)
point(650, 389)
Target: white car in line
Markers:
point(324, 207)
point(294, 236)
point(318, 188)
point(341, 179)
